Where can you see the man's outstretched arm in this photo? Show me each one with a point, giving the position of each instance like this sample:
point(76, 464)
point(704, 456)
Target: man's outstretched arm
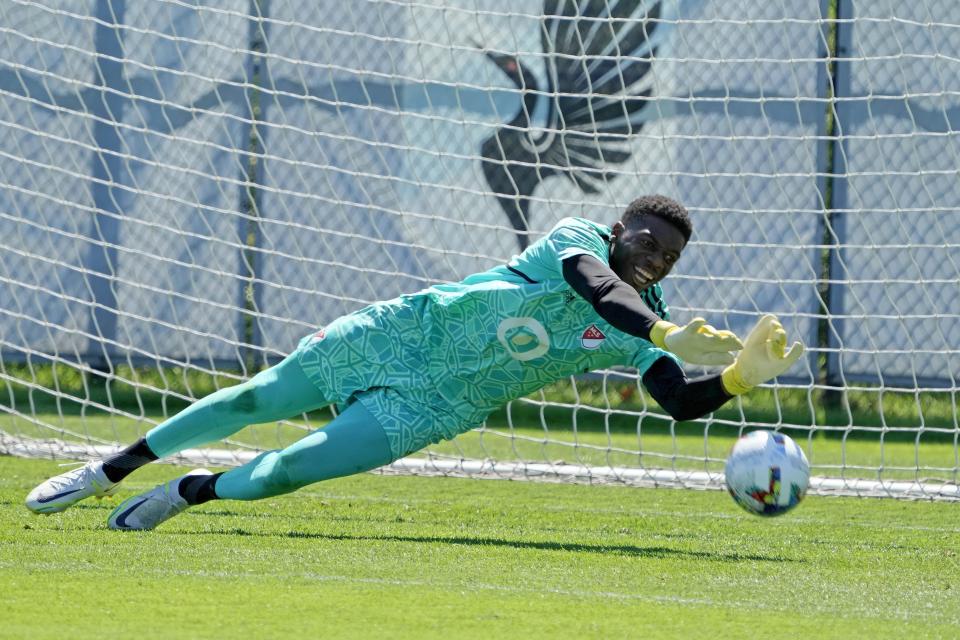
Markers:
point(682, 398)
point(763, 358)
point(619, 304)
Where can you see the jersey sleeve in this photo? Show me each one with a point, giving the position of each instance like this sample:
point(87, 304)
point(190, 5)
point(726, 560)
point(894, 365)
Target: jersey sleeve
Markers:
point(646, 356)
point(574, 237)
point(543, 260)
point(653, 297)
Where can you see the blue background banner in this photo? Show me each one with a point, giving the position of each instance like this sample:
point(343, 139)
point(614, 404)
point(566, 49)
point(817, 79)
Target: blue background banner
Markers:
point(196, 185)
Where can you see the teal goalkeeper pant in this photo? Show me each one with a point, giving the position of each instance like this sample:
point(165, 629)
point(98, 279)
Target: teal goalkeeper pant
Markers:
point(352, 443)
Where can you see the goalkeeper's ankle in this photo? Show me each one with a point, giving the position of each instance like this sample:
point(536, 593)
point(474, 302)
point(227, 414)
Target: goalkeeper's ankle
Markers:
point(199, 489)
point(123, 463)
point(733, 382)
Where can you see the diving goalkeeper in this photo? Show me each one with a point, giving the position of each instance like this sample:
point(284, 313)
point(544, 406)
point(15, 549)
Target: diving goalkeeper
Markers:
point(425, 367)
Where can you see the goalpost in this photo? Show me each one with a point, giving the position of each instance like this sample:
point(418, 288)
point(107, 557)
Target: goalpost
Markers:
point(188, 188)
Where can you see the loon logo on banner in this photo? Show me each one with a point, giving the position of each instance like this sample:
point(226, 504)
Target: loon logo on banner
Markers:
point(597, 57)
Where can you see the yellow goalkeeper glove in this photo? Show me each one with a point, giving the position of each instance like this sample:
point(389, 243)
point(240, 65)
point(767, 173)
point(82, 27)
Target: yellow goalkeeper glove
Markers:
point(697, 342)
point(763, 358)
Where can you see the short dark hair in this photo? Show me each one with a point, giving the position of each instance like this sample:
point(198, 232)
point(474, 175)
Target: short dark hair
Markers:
point(662, 207)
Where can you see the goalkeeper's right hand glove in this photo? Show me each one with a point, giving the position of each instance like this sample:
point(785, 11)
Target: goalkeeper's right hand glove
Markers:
point(763, 358)
point(697, 342)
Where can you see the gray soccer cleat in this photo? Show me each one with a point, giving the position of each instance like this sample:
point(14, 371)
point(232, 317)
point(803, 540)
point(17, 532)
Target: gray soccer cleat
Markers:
point(147, 510)
point(67, 489)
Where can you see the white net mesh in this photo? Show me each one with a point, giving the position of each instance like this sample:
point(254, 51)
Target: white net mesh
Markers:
point(187, 189)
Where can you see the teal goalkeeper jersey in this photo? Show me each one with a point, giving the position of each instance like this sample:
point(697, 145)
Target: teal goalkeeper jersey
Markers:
point(465, 349)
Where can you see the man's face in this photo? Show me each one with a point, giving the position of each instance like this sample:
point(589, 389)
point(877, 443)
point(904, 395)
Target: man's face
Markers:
point(645, 252)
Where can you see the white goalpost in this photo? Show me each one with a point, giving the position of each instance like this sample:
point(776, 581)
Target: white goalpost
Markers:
point(186, 189)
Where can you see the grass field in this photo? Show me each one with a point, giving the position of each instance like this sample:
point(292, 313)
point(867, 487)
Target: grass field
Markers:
point(403, 557)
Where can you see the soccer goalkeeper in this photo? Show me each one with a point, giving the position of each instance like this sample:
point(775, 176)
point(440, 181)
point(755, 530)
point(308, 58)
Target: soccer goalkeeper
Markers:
point(425, 367)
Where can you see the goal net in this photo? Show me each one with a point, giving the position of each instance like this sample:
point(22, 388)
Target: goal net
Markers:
point(186, 189)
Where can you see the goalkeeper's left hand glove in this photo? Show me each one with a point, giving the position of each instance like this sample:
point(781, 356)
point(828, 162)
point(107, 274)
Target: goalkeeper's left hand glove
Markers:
point(763, 358)
point(697, 342)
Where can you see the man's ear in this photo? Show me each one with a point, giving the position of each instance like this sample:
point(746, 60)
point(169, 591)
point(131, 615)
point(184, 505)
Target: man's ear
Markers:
point(616, 229)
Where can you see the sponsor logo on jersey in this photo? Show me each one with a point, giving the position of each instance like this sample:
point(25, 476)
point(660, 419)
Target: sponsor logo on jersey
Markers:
point(592, 337)
point(523, 338)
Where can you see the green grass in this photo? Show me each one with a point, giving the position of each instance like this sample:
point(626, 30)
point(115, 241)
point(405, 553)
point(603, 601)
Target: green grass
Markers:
point(404, 557)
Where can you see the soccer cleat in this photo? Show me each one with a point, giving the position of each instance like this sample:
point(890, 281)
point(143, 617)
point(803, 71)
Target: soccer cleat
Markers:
point(67, 489)
point(147, 510)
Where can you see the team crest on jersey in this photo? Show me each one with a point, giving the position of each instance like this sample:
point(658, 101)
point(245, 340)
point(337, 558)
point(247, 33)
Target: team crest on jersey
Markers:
point(592, 337)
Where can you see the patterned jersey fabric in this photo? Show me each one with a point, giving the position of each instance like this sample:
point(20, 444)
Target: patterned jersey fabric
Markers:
point(436, 363)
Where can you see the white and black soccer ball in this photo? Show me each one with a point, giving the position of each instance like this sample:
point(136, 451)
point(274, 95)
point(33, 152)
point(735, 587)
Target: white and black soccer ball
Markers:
point(767, 473)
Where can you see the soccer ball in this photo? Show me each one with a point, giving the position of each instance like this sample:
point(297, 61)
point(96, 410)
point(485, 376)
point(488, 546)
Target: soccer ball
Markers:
point(767, 473)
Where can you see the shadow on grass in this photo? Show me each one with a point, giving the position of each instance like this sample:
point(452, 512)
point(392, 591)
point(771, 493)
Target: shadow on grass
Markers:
point(574, 547)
